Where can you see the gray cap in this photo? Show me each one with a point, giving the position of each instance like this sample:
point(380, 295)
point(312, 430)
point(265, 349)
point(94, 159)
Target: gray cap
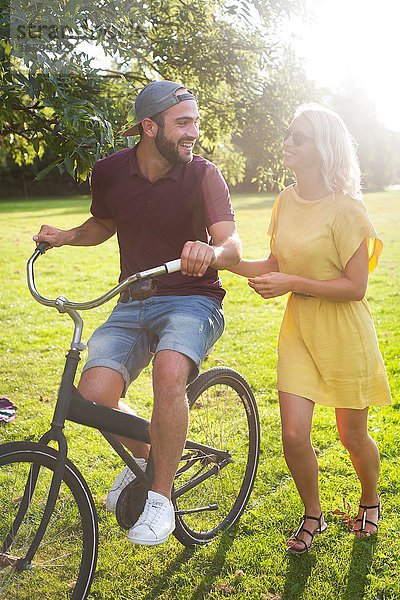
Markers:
point(153, 99)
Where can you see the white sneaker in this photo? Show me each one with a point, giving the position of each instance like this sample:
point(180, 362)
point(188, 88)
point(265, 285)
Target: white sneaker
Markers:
point(125, 477)
point(156, 522)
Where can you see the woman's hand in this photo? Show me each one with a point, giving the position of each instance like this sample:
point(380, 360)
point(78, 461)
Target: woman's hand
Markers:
point(351, 286)
point(272, 284)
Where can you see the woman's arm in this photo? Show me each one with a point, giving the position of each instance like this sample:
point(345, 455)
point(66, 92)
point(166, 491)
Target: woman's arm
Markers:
point(352, 286)
point(253, 268)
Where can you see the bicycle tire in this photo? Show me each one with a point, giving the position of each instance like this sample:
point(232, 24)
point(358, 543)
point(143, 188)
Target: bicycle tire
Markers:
point(223, 415)
point(65, 561)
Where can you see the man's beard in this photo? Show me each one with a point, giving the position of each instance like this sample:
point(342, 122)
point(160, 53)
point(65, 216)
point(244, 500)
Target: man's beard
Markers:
point(169, 150)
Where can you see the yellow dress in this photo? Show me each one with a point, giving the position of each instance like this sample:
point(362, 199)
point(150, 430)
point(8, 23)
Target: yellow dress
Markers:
point(327, 351)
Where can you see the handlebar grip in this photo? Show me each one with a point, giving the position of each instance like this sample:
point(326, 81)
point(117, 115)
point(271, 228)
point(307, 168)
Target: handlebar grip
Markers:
point(43, 246)
point(173, 265)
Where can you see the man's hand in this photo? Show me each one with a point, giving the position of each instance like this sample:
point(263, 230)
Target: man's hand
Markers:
point(271, 284)
point(55, 237)
point(196, 257)
point(90, 233)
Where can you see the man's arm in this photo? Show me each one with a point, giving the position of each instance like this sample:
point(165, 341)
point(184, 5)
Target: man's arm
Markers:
point(224, 253)
point(94, 231)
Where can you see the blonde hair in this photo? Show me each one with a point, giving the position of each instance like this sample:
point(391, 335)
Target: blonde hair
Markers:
point(340, 167)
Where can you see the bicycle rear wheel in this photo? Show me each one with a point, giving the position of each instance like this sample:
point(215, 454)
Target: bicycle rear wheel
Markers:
point(224, 416)
point(65, 561)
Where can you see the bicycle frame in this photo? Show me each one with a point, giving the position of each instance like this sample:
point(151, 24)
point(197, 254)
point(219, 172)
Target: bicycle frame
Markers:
point(110, 422)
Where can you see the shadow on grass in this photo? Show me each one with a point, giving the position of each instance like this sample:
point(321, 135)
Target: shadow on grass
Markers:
point(360, 566)
point(297, 575)
point(213, 571)
point(250, 202)
point(162, 583)
point(71, 205)
point(215, 568)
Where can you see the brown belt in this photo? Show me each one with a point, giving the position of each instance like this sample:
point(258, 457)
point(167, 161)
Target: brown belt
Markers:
point(139, 290)
point(124, 296)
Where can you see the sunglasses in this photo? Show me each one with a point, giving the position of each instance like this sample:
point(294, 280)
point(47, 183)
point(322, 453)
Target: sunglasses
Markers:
point(298, 137)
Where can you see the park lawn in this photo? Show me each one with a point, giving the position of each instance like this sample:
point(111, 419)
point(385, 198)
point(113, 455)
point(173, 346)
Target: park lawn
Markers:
point(250, 561)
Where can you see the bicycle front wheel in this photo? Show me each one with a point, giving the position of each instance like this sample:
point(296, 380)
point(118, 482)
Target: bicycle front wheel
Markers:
point(65, 561)
point(224, 416)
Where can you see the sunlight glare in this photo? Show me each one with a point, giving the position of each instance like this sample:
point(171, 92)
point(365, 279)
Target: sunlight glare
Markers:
point(354, 41)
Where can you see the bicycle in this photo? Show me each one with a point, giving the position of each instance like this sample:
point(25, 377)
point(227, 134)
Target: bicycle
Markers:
point(49, 529)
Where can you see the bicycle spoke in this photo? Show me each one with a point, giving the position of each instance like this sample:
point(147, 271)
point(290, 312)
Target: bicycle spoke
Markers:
point(59, 556)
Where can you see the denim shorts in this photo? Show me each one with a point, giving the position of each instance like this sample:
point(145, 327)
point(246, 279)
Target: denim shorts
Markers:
point(138, 329)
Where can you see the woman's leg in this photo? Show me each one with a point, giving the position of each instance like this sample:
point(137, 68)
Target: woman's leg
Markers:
point(296, 417)
point(353, 432)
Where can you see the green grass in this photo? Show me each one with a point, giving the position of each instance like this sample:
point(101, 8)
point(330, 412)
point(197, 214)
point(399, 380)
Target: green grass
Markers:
point(249, 562)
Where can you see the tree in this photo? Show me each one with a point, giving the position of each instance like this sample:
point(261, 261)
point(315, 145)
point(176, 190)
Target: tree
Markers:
point(269, 111)
point(53, 99)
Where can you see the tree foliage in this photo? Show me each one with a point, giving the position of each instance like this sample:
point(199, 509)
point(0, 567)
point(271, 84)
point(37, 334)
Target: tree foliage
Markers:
point(267, 113)
point(225, 50)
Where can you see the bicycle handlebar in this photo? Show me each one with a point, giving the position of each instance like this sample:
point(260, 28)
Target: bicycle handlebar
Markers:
point(43, 246)
point(62, 304)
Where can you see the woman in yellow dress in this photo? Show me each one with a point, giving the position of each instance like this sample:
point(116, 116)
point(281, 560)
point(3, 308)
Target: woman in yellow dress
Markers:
point(323, 246)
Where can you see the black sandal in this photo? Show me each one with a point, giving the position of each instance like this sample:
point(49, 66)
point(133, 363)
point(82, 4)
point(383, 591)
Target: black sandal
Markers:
point(364, 520)
point(295, 537)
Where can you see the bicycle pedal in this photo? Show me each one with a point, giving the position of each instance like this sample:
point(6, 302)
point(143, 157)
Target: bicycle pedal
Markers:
point(130, 503)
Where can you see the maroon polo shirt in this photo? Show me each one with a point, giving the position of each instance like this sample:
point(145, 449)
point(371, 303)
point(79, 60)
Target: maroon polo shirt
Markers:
point(155, 220)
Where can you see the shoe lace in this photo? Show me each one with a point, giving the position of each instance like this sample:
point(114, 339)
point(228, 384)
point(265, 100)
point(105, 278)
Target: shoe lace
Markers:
point(153, 511)
point(124, 478)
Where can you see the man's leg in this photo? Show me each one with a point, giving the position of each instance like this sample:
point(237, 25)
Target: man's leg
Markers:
point(105, 386)
point(170, 418)
point(186, 327)
point(168, 429)
point(118, 352)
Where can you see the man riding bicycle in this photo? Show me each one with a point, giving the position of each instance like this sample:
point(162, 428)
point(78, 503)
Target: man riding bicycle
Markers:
point(163, 202)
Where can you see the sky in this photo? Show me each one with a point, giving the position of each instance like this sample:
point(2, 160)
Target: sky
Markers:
point(353, 40)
